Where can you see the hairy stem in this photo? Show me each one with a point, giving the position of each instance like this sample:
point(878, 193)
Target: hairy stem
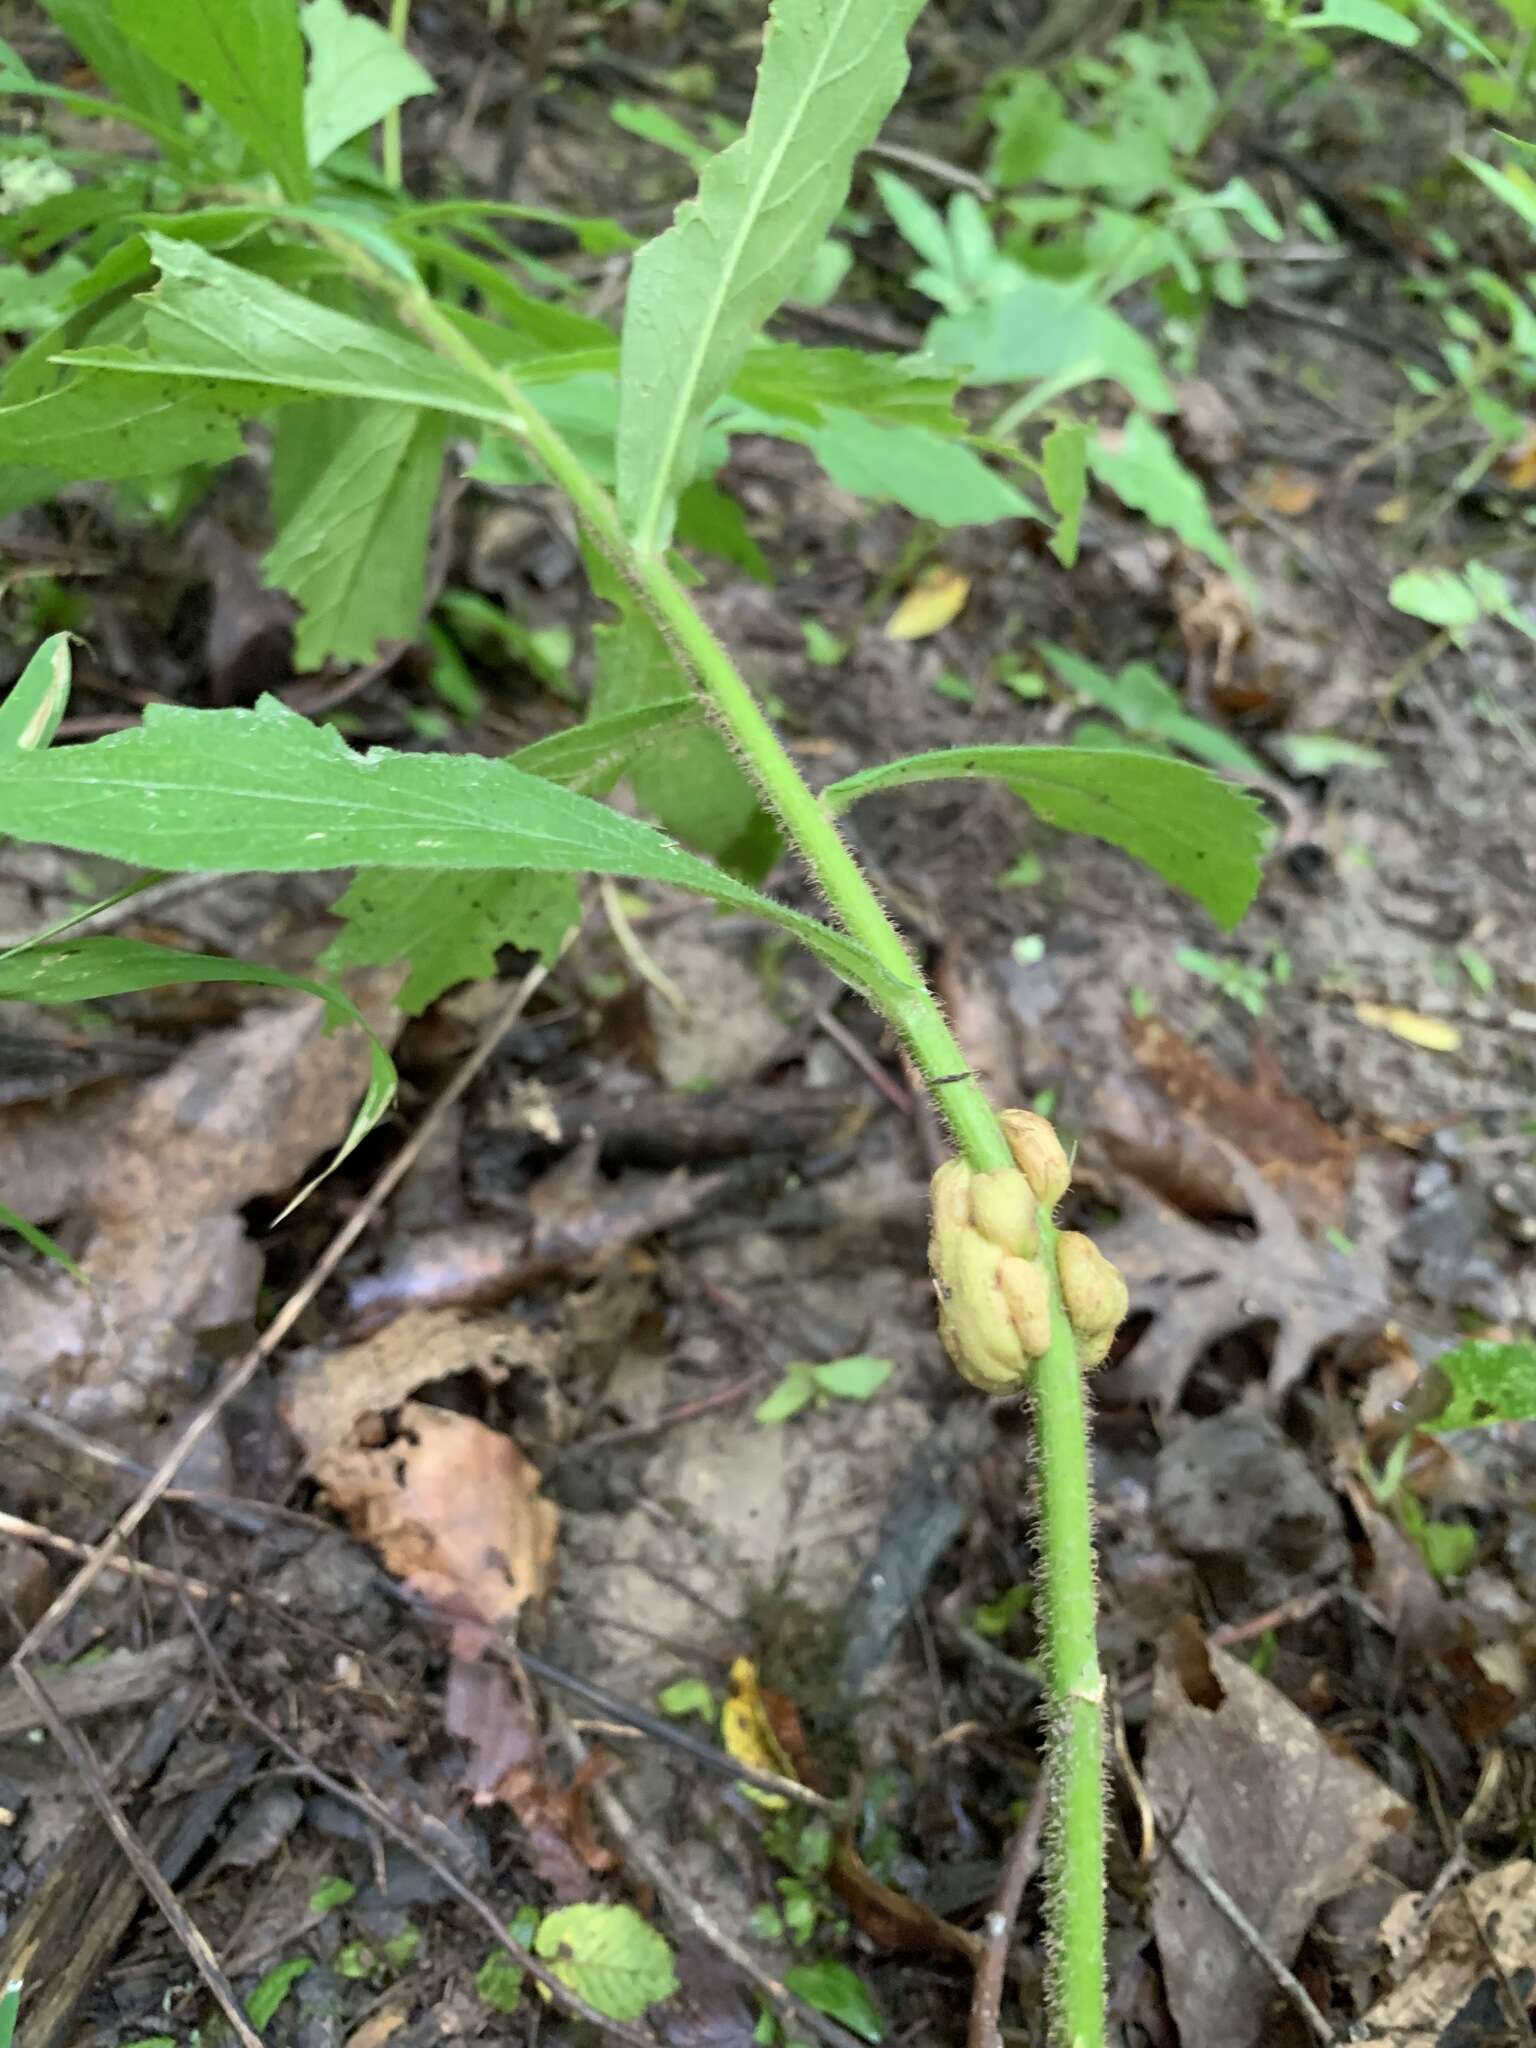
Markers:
point(1074, 1685)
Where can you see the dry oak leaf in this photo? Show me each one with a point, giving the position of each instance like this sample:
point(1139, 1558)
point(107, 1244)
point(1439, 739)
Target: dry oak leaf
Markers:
point(1479, 1933)
point(1254, 1796)
point(454, 1510)
point(326, 1394)
point(1199, 1285)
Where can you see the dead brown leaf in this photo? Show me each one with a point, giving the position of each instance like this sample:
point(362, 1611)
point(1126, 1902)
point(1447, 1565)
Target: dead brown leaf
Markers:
point(891, 1918)
point(1306, 1160)
point(1198, 1285)
point(1290, 492)
point(1458, 1969)
point(507, 1768)
point(326, 1394)
point(146, 1184)
point(1258, 1800)
point(455, 1511)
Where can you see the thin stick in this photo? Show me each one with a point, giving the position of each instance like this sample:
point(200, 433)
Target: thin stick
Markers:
point(183, 1926)
point(1252, 1939)
point(1018, 1868)
point(246, 1369)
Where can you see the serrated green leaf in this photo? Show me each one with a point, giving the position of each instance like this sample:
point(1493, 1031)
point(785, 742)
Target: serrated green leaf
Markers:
point(1142, 468)
point(449, 926)
point(1196, 831)
point(352, 551)
point(208, 318)
point(932, 478)
point(234, 791)
point(243, 58)
point(103, 426)
point(128, 72)
point(80, 970)
point(609, 1956)
point(1064, 460)
point(358, 73)
point(1490, 1382)
point(833, 1989)
point(830, 72)
point(34, 704)
point(692, 785)
point(40, 1241)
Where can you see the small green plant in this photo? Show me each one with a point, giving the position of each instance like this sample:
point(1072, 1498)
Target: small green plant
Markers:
point(258, 269)
point(844, 1379)
point(1244, 982)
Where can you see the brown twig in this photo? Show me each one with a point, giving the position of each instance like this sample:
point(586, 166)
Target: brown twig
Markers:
point(689, 1411)
point(1300, 1607)
point(899, 1098)
point(1019, 1867)
point(248, 1366)
point(1251, 1938)
point(79, 1752)
point(797, 2015)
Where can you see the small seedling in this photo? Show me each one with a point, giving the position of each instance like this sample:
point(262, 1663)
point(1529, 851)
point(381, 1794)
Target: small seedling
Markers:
point(844, 1379)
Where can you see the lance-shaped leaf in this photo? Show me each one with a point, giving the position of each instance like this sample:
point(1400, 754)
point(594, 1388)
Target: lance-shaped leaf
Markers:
point(1198, 832)
point(235, 791)
point(830, 72)
point(34, 704)
point(358, 73)
point(245, 59)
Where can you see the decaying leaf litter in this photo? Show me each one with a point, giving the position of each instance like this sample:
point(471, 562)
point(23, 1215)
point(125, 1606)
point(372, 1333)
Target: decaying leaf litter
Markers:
point(602, 1267)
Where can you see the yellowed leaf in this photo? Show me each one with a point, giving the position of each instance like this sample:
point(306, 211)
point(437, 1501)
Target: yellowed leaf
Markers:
point(934, 600)
point(748, 1736)
point(1392, 511)
point(1289, 492)
point(454, 1510)
point(1430, 1034)
point(1518, 467)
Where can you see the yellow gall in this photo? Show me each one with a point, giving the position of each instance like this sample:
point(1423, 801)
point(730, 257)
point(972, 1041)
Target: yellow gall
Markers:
point(1028, 1296)
point(1093, 1293)
point(1034, 1144)
point(1003, 1209)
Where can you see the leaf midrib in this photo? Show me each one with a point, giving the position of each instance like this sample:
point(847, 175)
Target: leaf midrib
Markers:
point(646, 527)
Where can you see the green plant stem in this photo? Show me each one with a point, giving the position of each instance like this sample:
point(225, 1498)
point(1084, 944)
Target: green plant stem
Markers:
point(399, 17)
point(1075, 1687)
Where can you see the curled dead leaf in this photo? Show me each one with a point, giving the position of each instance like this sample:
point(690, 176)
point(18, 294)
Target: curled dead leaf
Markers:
point(326, 1394)
point(454, 1510)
